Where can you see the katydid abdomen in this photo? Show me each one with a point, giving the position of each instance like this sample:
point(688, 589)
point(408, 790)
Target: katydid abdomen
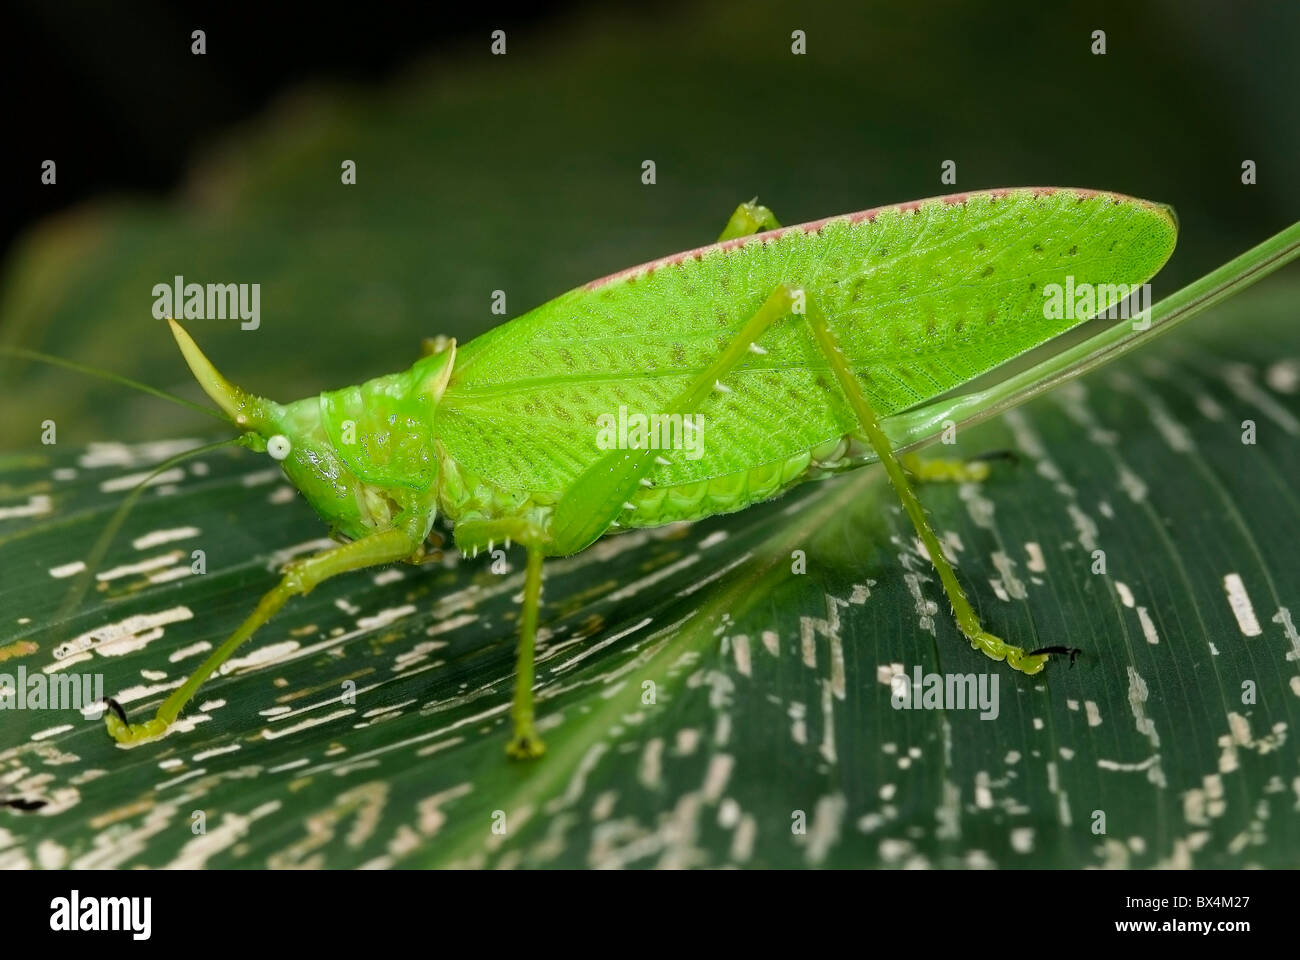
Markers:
point(922, 298)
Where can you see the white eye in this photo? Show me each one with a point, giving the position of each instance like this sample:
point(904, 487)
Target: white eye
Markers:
point(278, 446)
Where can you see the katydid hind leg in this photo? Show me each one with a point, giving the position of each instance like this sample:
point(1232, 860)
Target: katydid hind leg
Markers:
point(748, 219)
point(967, 620)
point(381, 547)
point(593, 502)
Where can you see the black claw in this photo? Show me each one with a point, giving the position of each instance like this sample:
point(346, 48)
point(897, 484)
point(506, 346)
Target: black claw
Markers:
point(1072, 651)
point(116, 708)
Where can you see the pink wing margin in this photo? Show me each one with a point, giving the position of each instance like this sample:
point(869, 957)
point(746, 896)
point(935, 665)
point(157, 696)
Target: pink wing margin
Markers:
point(952, 199)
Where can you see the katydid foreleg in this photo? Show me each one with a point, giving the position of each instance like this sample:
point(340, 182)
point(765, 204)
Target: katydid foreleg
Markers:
point(381, 547)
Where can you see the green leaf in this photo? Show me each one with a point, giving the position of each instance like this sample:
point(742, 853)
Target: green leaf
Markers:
point(771, 697)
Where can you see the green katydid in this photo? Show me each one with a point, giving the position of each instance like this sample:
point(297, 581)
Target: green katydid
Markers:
point(795, 352)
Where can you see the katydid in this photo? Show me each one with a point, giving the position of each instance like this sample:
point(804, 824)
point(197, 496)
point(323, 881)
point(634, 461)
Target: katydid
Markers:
point(795, 353)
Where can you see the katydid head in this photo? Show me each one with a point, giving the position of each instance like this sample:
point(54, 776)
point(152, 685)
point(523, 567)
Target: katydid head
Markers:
point(361, 455)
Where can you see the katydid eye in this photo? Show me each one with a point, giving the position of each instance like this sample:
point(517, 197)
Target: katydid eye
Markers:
point(278, 446)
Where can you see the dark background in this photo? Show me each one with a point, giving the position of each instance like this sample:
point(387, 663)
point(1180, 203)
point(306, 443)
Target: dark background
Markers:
point(112, 93)
point(523, 172)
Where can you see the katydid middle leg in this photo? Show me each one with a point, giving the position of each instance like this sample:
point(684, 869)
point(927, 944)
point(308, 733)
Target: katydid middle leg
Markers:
point(473, 535)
